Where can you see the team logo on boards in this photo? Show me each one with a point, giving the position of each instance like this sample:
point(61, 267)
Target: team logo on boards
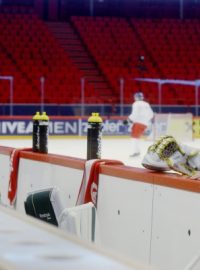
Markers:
point(93, 192)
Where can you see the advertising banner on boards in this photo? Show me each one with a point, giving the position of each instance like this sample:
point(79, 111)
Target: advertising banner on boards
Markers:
point(59, 126)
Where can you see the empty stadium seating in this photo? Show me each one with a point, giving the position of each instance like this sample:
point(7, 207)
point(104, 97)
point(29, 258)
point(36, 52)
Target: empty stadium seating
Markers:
point(165, 44)
point(116, 48)
point(174, 46)
point(29, 51)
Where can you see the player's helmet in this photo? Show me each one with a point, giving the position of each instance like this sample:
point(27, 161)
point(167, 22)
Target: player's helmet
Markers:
point(138, 96)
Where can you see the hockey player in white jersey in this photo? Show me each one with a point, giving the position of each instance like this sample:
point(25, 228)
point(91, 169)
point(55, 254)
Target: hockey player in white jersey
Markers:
point(140, 118)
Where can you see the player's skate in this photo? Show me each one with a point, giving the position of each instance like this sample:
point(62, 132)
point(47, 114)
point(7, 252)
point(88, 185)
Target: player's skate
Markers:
point(166, 154)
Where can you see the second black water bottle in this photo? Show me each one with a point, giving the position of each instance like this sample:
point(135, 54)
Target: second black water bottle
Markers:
point(43, 133)
point(40, 132)
point(94, 134)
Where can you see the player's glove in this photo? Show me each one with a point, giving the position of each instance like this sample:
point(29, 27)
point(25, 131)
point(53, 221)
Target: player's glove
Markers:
point(125, 122)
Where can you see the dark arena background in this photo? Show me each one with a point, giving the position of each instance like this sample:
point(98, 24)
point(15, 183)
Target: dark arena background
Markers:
point(71, 57)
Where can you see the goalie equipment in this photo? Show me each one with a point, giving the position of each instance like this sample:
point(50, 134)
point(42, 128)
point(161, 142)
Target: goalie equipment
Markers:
point(193, 156)
point(167, 154)
point(152, 160)
point(45, 205)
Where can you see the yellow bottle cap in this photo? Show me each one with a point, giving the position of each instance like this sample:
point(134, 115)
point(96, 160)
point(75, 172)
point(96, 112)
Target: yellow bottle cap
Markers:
point(36, 116)
point(95, 118)
point(44, 117)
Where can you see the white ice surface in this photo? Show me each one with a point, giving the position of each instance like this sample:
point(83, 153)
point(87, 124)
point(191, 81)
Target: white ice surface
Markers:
point(112, 148)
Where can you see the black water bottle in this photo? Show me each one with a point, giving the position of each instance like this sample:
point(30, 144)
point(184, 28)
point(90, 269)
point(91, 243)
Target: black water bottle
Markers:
point(35, 135)
point(94, 136)
point(43, 133)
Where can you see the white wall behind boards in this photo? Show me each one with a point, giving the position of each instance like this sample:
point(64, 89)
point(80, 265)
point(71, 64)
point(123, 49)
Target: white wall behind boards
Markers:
point(36, 175)
point(4, 178)
point(176, 227)
point(157, 224)
point(124, 211)
point(146, 216)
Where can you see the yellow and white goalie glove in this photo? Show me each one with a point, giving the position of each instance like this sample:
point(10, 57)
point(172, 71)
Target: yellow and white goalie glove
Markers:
point(166, 154)
point(175, 157)
point(152, 159)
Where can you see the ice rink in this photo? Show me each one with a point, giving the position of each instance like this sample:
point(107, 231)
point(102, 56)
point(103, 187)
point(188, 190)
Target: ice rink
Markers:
point(112, 148)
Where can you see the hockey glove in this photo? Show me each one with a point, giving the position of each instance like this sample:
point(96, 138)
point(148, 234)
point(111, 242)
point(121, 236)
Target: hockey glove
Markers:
point(168, 150)
point(152, 160)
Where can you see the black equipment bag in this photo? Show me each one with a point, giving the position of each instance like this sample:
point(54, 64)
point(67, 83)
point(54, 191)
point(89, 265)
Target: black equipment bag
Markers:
point(39, 204)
